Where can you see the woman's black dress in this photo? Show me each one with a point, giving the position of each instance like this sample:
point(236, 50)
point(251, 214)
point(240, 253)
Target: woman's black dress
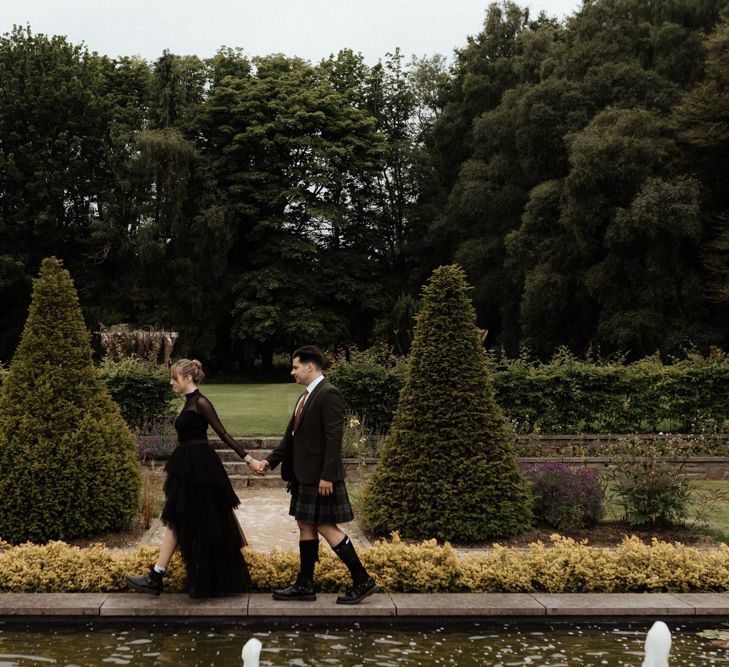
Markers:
point(199, 503)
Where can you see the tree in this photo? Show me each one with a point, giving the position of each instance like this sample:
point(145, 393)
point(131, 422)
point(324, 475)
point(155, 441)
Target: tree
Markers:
point(54, 118)
point(634, 225)
point(293, 156)
point(448, 469)
point(650, 278)
point(162, 239)
point(554, 307)
point(503, 120)
point(703, 130)
point(68, 464)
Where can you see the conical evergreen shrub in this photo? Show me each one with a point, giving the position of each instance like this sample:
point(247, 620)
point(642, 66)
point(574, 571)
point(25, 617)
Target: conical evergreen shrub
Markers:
point(448, 469)
point(68, 464)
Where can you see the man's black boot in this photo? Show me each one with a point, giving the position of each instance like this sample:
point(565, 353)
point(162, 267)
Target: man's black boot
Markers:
point(303, 589)
point(364, 585)
point(148, 583)
point(358, 592)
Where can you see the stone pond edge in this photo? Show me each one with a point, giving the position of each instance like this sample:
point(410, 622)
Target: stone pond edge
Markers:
point(412, 606)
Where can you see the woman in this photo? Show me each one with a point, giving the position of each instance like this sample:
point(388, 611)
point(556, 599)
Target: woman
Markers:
point(199, 500)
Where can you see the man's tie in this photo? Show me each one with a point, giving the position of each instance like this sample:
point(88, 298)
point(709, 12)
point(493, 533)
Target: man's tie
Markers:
point(299, 408)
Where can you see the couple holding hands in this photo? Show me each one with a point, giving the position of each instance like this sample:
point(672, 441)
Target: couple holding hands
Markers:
point(199, 498)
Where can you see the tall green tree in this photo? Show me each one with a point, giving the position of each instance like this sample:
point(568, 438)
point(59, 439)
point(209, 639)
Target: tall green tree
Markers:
point(54, 120)
point(162, 239)
point(68, 464)
point(703, 128)
point(448, 468)
point(292, 157)
point(531, 240)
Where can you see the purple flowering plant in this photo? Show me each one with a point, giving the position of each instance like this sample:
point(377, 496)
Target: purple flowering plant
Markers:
point(156, 439)
point(565, 497)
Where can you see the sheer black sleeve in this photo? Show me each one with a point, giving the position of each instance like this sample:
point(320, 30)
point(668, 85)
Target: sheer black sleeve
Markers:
point(206, 409)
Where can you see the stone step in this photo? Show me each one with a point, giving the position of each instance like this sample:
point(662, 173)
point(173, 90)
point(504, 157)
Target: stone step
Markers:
point(236, 468)
point(228, 455)
point(249, 443)
point(269, 481)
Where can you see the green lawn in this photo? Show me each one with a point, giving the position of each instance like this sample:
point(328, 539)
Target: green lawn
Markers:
point(718, 514)
point(253, 409)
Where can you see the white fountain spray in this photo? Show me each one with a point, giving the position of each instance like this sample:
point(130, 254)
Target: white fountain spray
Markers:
point(657, 645)
point(251, 653)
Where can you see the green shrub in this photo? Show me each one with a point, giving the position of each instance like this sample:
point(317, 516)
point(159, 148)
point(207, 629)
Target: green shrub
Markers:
point(563, 566)
point(370, 382)
point(447, 470)
point(565, 497)
point(140, 388)
point(650, 484)
point(68, 464)
point(568, 395)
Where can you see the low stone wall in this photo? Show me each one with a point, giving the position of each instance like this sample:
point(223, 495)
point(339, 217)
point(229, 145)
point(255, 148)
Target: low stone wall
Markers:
point(546, 448)
point(697, 467)
point(592, 444)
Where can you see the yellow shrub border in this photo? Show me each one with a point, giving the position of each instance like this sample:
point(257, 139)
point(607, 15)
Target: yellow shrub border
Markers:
point(563, 566)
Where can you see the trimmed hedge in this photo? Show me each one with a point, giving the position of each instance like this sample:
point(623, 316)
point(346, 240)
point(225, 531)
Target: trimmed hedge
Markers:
point(570, 395)
point(141, 390)
point(564, 566)
point(448, 468)
point(68, 464)
point(371, 382)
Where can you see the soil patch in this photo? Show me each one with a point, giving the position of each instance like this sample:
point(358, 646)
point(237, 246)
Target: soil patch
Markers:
point(611, 535)
point(604, 535)
point(127, 539)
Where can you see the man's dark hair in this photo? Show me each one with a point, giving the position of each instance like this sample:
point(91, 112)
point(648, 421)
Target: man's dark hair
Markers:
point(309, 354)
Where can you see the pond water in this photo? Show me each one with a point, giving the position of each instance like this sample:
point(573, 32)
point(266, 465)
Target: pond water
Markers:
point(463, 644)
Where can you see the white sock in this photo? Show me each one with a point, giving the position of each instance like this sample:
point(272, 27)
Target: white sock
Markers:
point(159, 569)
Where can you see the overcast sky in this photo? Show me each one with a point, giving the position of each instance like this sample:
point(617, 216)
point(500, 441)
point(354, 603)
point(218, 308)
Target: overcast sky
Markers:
point(312, 29)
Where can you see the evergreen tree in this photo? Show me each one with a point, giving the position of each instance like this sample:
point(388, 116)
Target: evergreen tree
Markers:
point(68, 464)
point(448, 470)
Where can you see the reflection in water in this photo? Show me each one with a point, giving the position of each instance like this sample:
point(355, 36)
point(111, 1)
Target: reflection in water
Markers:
point(463, 644)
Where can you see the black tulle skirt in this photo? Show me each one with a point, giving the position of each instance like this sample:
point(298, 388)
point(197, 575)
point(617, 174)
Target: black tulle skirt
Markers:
point(199, 504)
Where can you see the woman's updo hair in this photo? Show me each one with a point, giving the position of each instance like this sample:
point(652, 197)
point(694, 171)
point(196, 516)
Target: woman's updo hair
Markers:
point(191, 367)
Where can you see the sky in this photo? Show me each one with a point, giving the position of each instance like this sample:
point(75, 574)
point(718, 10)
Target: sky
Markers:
point(311, 29)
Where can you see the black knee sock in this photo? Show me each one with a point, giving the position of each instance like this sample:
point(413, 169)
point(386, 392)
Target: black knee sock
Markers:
point(347, 554)
point(308, 555)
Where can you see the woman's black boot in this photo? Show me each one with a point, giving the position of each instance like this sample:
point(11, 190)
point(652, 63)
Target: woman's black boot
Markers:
point(149, 583)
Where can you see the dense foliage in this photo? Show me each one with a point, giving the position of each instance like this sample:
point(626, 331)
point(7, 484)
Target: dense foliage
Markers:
point(571, 395)
point(650, 484)
point(68, 464)
point(564, 566)
point(141, 390)
point(565, 497)
point(575, 169)
point(448, 468)
point(370, 382)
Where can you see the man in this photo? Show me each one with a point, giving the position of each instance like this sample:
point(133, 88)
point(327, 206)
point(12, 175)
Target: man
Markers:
point(311, 457)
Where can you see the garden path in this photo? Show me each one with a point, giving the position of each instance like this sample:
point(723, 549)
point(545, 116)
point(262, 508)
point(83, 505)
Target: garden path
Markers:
point(264, 516)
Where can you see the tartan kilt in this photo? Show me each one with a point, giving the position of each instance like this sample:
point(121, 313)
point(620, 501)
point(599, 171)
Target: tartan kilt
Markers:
point(308, 506)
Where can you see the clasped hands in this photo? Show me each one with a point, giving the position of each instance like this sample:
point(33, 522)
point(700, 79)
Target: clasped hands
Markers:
point(259, 467)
